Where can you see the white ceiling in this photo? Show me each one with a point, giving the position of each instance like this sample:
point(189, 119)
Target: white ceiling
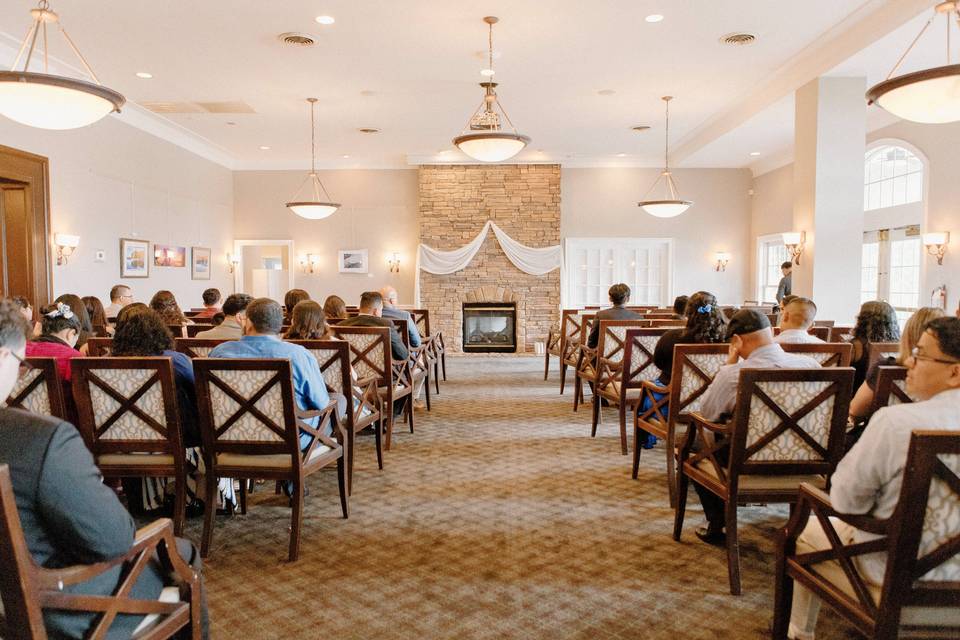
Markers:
point(410, 68)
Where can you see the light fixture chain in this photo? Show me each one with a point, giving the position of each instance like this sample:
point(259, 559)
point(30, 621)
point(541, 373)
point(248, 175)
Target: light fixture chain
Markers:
point(504, 112)
point(666, 140)
point(948, 40)
point(23, 46)
point(83, 60)
point(313, 140)
point(33, 43)
point(910, 48)
point(490, 47)
point(46, 49)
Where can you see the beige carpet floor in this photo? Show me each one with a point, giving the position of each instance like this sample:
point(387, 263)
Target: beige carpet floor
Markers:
point(499, 518)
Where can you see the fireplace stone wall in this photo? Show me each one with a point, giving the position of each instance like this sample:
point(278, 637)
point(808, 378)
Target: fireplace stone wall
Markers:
point(454, 203)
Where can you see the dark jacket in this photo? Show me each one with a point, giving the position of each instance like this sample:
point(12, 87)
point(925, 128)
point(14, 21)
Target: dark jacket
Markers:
point(613, 313)
point(397, 347)
point(68, 516)
point(663, 352)
point(403, 314)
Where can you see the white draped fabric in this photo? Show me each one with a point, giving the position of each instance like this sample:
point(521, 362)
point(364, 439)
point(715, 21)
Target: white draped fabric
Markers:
point(532, 260)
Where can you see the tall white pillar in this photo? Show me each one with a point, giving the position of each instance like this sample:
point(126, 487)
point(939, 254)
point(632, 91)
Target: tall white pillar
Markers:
point(829, 145)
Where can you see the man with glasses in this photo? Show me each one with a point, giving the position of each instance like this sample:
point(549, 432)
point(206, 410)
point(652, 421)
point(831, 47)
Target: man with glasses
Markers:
point(120, 296)
point(868, 479)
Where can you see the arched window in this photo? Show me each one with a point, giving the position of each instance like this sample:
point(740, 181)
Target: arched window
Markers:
point(892, 176)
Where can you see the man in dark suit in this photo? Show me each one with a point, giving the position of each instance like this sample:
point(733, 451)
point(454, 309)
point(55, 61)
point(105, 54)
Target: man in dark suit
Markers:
point(68, 516)
point(371, 309)
point(619, 296)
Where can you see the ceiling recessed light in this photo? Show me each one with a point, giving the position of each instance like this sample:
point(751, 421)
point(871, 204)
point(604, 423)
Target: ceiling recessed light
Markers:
point(754, 153)
point(366, 93)
point(264, 147)
point(641, 127)
point(654, 17)
point(144, 75)
point(621, 155)
point(325, 19)
point(606, 92)
point(231, 122)
point(368, 130)
point(344, 156)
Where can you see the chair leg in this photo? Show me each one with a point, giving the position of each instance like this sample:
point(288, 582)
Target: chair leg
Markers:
point(782, 595)
point(342, 481)
point(680, 509)
point(546, 365)
point(443, 364)
point(672, 489)
point(563, 376)
point(577, 396)
point(243, 497)
point(296, 518)
point(387, 411)
point(209, 510)
point(733, 547)
point(426, 389)
point(348, 453)
point(636, 452)
point(179, 505)
point(377, 436)
point(595, 415)
point(410, 411)
point(622, 415)
point(436, 376)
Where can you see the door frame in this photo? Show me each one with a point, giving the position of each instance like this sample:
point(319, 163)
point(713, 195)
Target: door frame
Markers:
point(238, 245)
point(34, 171)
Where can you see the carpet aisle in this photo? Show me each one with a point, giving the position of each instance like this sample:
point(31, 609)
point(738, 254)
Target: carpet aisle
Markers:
point(499, 518)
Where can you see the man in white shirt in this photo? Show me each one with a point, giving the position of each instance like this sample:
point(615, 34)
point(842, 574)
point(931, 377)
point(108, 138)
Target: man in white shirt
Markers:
point(750, 338)
point(868, 479)
point(120, 296)
point(797, 318)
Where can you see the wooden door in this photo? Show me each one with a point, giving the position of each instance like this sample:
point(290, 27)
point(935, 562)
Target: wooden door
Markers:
point(24, 226)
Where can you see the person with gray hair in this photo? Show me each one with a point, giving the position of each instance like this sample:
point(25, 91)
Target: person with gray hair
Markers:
point(371, 311)
point(69, 517)
point(390, 310)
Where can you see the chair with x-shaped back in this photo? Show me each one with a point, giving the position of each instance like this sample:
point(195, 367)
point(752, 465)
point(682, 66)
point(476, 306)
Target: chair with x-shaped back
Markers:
point(556, 340)
point(891, 388)
point(97, 347)
point(128, 417)
point(39, 389)
point(196, 347)
point(575, 338)
point(829, 354)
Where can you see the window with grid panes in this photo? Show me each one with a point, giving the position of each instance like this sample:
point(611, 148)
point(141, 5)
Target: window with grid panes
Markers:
point(892, 176)
point(593, 264)
point(772, 253)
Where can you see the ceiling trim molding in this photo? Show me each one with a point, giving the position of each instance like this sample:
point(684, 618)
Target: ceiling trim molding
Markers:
point(873, 20)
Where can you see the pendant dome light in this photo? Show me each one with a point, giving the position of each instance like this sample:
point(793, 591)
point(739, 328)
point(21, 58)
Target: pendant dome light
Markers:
point(48, 101)
point(672, 205)
point(315, 209)
point(483, 139)
point(930, 96)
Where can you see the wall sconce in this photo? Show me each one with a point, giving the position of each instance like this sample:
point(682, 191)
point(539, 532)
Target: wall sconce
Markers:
point(795, 241)
point(723, 258)
point(394, 262)
point(936, 243)
point(232, 262)
point(309, 263)
point(65, 244)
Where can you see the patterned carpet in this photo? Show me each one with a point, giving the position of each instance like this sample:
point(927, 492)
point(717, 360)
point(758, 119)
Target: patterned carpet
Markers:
point(499, 518)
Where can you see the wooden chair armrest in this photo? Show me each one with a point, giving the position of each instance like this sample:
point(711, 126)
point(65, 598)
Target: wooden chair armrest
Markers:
point(328, 411)
point(650, 385)
point(716, 427)
point(819, 502)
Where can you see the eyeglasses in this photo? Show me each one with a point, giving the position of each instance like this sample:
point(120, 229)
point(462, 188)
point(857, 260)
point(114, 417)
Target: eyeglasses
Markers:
point(916, 355)
point(24, 365)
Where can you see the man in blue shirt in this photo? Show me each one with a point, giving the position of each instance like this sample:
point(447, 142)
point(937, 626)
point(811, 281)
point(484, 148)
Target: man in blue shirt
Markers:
point(391, 310)
point(262, 322)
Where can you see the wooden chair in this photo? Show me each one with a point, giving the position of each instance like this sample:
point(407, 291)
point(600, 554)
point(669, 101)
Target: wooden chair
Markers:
point(128, 417)
point(28, 589)
point(39, 389)
point(788, 427)
point(920, 594)
point(371, 358)
point(828, 354)
point(659, 315)
point(99, 347)
point(577, 332)
point(824, 323)
point(891, 388)
point(667, 323)
point(555, 341)
point(193, 329)
point(196, 347)
point(251, 428)
point(820, 332)
point(841, 334)
point(626, 360)
point(431, 346)
point(882, 350)
point(180, 330)
point(363, 402)
point(694, 366)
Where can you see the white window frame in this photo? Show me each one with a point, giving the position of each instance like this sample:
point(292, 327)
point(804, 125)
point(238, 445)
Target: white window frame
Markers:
point(763, 243)
point(572, 245)
point(880, 182)
point(885, 277)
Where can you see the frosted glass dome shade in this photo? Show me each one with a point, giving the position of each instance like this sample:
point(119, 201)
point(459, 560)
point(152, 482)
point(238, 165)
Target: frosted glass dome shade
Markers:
point(491, 146)
point(931, 96)
point(313, 210)
point(665, 208)
point(54, 102)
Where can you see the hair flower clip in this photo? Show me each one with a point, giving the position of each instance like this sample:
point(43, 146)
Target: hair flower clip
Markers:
point(707, 308)
point(62, 311)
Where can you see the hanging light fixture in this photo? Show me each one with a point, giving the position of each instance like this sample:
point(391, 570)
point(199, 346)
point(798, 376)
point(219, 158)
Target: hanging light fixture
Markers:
point(930, 96)
point(49, 101)
point(484, 139)
point(315, 209)
point(672, 205)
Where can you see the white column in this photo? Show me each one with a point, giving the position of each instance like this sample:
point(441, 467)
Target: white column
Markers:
point(829, 144)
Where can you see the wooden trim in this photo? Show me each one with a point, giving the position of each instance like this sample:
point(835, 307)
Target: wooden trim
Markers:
point(34, 171)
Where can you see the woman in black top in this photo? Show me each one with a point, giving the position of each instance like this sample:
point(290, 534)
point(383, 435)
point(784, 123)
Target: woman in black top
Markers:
point(876, 322)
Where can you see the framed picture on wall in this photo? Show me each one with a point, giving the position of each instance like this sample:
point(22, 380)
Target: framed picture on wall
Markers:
point(199, 263)
point(169, 256)
point(134, 258)
point(352, 261)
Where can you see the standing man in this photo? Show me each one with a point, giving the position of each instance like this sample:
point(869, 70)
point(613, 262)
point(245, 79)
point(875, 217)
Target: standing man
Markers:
point(120, 296)
point(785, 288)
point(390, 310)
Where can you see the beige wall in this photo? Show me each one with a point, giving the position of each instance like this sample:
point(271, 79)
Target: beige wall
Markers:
point(603, 203)
point(111, 180)
point(379, 213)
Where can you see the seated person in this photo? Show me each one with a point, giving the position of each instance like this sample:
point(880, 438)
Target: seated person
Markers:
point(290, 300)
point(876, 322)
point(120, 296)
point(59, 333)
point(371, 306)
point(680, 307)
point(795, 320)
point(863, 399)
point(751, 339)
point(80, 311)
point(868, 478)
point(164, 303)
point(619, 296)
point(307, 322)
point(26, 309)
point(98, 317)
point(335, 307)
point(390, 310)
point(211, 303)
point(230, 328)
point(69, 517)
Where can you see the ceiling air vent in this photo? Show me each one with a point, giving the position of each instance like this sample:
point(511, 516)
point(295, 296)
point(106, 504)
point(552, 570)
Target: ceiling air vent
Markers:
point(368, 130)
point(295, 39)
point(738, 39)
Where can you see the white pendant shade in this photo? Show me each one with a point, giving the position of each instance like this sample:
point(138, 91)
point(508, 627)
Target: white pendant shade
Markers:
point(931, 96)
point(672, 205)
point(313, 210)
point(52, 102)
point(666, 208)
point(491, 147)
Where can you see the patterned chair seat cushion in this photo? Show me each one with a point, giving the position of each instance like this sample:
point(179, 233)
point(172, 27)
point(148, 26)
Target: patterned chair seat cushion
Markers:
point(767, 483)
point(133, 459)
point(271, 461)
point(612, 390)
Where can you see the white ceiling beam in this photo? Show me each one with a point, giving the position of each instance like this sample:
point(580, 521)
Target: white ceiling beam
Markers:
point(873, 20)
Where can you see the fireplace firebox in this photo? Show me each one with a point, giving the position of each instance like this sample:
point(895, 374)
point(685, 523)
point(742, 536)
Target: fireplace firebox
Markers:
point(489, 327)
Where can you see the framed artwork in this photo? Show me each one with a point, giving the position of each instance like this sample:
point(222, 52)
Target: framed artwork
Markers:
point(199, 263)
point(169, 256)
point(134, 258)
point(352, 261)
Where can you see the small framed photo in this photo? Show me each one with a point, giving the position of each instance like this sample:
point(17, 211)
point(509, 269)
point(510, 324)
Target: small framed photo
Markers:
point(199, 263)
point(352, 261)
point(134, 258)
point(169, 256)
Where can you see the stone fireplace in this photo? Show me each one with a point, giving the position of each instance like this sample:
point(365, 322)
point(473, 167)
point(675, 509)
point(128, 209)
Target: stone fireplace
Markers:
point(455, 201)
